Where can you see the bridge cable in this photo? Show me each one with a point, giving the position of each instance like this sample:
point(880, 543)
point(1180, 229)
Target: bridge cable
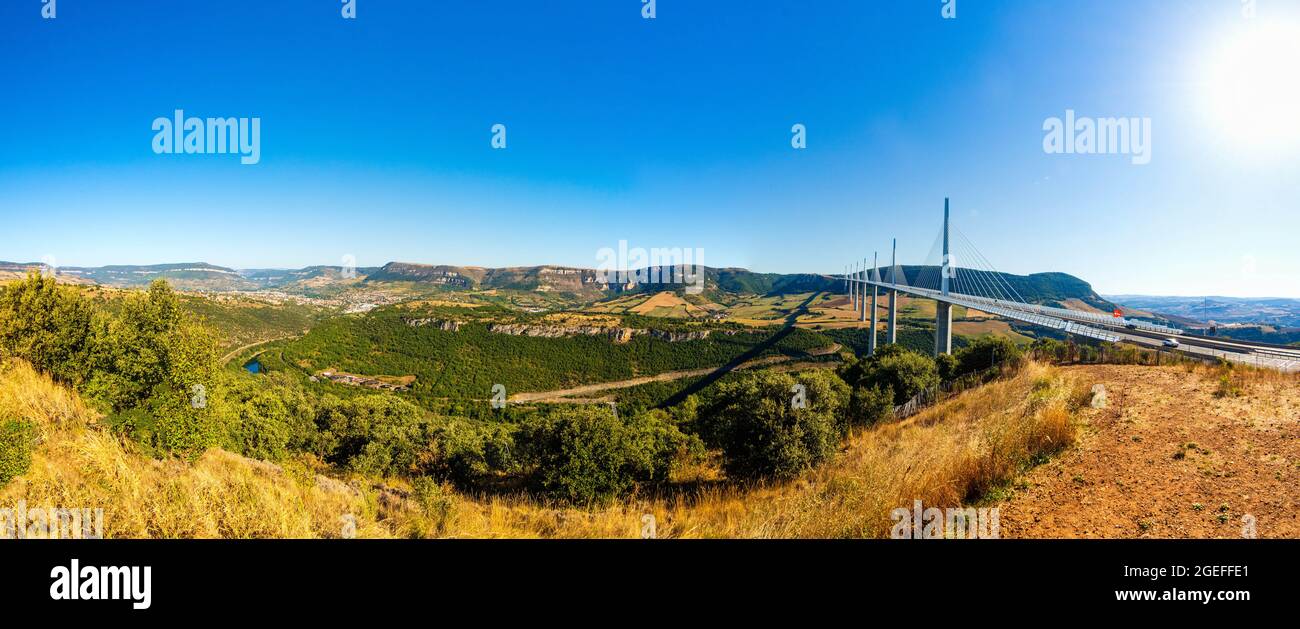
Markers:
point(997, 274)
point(981, 275)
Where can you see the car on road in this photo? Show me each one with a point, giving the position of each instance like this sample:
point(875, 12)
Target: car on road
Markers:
point(1170, 343)
point(1131, 326)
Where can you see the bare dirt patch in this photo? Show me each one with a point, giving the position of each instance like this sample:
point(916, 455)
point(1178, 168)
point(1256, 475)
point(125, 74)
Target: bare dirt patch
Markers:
point(1169, 458)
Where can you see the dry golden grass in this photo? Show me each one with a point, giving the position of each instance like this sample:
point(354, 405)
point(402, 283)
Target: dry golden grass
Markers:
point(945, 456)
point(78, 464)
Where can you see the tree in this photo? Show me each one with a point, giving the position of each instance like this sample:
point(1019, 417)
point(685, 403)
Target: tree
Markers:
point(156, 357)
point(869, 405)
point(986, 353)
point(47, 325)
point(467, 452)
point(588, 454)
point(902, 372)
point(375, 434)
point(767, 427)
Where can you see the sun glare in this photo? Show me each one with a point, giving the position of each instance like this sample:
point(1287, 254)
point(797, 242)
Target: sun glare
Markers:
point(1253, 86)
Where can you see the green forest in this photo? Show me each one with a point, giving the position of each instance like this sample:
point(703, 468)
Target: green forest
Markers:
point(466, 363)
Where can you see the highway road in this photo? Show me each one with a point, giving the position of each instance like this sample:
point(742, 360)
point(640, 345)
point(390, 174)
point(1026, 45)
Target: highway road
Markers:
point(1120, 329)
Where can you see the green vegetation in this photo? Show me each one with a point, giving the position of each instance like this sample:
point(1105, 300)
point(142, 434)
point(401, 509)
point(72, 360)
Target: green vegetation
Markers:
point(241, 321)
point(918, 340)
point(775, 425)
point(151, 364)
point(466, 363)
point(587, 455)
point(984, 353)
point(48, 325)
point(896, 370)
point(1277, 336)
point(150, 367)
point(1089, 351)
point(16, 441)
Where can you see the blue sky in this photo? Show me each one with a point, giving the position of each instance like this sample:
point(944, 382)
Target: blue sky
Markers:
point(672, 132)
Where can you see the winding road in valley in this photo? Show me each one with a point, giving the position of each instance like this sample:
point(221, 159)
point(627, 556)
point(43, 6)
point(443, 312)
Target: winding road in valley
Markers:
point(233, 353)
point(557, 395)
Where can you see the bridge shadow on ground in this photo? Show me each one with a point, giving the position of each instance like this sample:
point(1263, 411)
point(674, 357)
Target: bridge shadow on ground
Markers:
point(750, 354)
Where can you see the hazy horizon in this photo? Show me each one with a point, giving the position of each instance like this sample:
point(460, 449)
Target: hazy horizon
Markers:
point(1103, 294)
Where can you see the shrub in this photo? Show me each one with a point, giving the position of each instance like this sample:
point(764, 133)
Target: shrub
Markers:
point(170, 423)
point(901, 371)
point(48, 325)
point(182, 423)
point(467, 452)
point(985, 353)
point(374, 435)
point(16, 440)
point(1227, 385)
point(869, 405)
point(947, 366)
point(437, 503)
point(588, 455)
point(262, 428)
point(762, 434)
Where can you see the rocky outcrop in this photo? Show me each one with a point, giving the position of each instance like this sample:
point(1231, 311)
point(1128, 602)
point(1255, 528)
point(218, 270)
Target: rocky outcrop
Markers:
point(441, 324)
point(616, 334)
point(678, 336)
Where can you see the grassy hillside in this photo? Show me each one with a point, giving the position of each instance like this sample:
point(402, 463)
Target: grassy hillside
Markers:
point(243, 321)
point(80, 463)
point(951, 454)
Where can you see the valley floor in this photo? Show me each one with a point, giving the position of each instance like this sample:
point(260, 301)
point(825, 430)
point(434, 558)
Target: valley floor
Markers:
point(786, 363)
point(1168, 457)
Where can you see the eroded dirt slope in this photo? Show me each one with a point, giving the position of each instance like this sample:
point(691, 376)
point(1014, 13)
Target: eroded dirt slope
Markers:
point(1168, 457)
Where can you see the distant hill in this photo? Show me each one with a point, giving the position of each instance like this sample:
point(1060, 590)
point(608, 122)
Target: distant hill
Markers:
point(277, 278)
point(584, 284)
point(1050, 289)
point(199, 276)
point(575, 280)
point(186, 275)
point(1277, 311)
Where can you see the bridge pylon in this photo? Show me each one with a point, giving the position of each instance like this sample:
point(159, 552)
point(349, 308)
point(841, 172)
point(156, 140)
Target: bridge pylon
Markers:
point(891, 336)
point(943, 309)
point(875, 292)
point(853, 288)
point(861, 312)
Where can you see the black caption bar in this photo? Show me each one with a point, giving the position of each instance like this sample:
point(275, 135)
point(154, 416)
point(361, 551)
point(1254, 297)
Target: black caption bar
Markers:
point(511, 577)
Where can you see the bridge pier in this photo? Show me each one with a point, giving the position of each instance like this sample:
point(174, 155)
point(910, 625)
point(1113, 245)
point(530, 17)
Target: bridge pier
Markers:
point(862, 303)
point(943, 310)
point(853, 290)
point(875, 291)
point(891, 336)
point(871, 340)
point(942, 328)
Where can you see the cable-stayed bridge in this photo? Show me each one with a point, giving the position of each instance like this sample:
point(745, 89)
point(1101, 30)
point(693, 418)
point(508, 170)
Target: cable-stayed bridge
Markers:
point(976, 285)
